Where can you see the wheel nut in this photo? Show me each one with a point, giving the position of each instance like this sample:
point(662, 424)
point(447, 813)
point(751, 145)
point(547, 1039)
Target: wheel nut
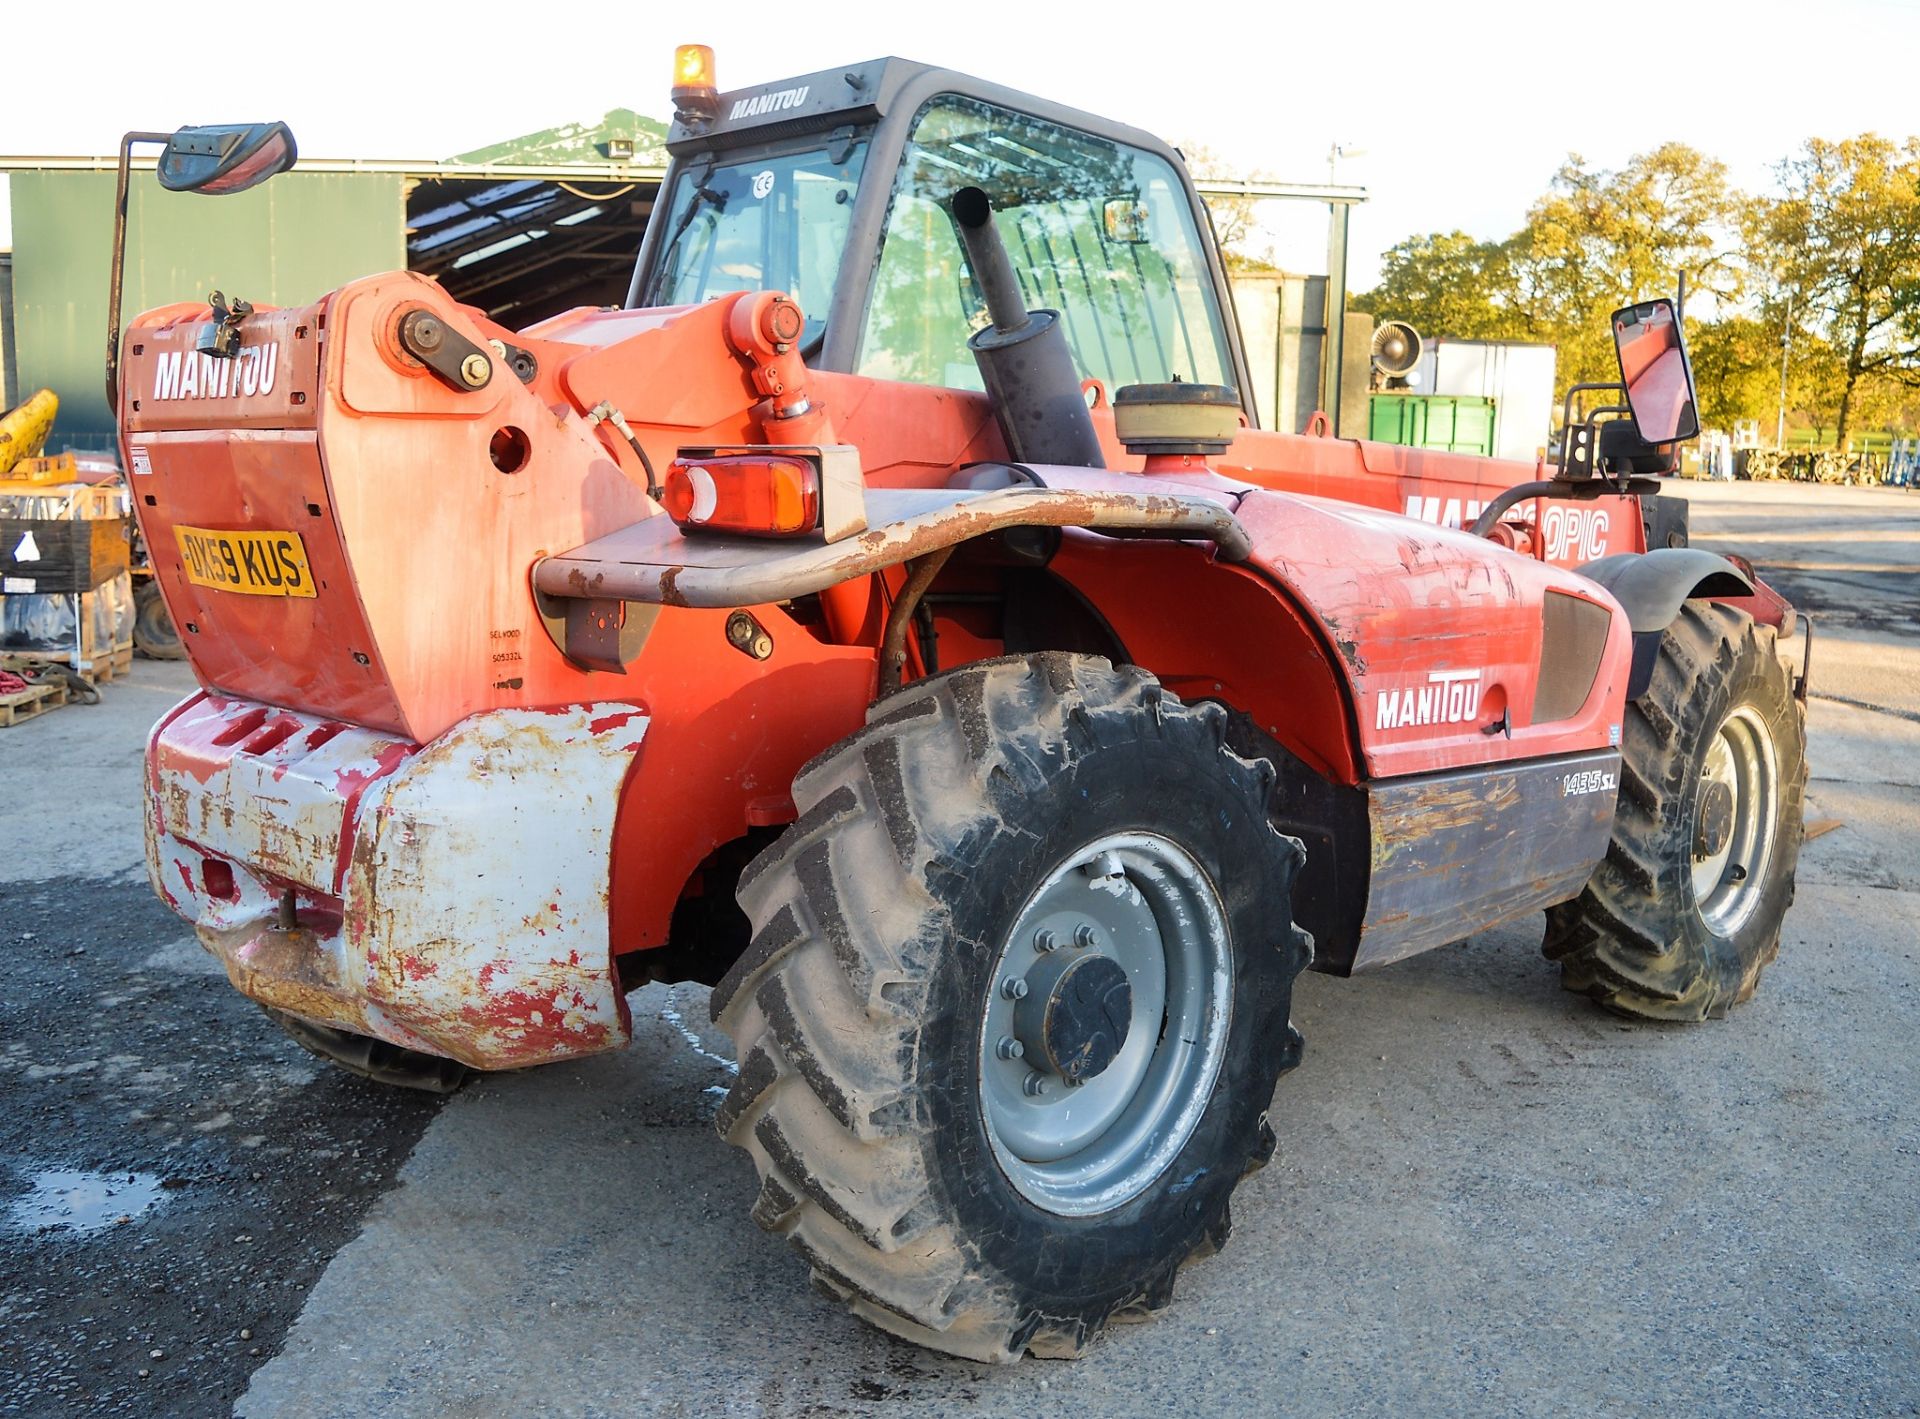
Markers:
point(1044, 940)
point(1009, 1048)
point(1036, 1084)
point(1084, 935)
point(1014, 988)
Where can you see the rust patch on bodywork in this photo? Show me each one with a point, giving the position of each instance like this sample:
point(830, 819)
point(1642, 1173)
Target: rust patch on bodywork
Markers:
point(470, 921)
point(1458, 852)
point(652, 561)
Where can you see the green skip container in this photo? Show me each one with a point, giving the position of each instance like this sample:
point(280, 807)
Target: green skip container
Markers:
point(1451, 423)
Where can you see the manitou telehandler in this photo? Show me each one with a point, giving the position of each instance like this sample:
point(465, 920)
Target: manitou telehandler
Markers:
point(894, 618)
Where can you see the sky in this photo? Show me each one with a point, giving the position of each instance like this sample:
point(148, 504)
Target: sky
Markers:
point(1459, 113)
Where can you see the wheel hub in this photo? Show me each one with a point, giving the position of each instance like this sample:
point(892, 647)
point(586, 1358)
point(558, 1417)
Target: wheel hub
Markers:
point(1076, 1014)
point(1105, 1023)
point(1735, 810)
point(1716, 819)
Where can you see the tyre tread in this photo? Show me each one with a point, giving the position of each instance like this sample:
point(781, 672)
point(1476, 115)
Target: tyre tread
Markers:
point(835, 1133)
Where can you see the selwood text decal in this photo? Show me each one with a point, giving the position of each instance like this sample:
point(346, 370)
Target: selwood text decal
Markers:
point(187, 374)
point(1448, 697)
point(776, 102)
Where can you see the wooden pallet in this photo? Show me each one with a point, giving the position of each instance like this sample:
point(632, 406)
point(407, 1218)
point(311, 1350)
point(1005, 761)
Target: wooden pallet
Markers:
point(30, 703)
point(115, 665)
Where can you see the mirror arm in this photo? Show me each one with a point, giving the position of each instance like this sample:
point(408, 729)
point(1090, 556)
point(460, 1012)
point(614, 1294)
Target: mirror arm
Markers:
point(120, 262)
point(1566, 408)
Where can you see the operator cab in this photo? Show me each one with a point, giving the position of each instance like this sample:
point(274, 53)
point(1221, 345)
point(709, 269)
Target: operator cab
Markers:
point(836, 188)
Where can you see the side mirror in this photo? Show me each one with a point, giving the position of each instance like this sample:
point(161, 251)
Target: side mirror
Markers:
point(227, 158)
point(1655, 371)
point(216, 161)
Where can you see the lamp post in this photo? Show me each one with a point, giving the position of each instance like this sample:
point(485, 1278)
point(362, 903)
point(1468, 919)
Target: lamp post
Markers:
point(1786, 348)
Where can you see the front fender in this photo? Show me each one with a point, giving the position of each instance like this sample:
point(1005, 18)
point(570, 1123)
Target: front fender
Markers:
point(1651, 585)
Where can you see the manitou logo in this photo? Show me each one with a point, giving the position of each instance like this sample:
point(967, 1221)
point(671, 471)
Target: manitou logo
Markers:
point(1448, 697)
point(1574, 533)
point(1454, 512)
point(776, 102)
point(190, 375)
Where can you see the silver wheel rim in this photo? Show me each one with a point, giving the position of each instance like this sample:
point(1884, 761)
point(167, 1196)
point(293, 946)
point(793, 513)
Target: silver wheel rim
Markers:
point(1729, 877)
point(1142, 903)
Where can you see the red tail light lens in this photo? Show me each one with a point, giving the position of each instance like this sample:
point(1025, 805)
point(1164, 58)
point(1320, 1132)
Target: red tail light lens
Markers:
point(753, 496)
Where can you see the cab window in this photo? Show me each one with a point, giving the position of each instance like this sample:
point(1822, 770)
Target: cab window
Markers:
point(1097, 230)
point(770, 223)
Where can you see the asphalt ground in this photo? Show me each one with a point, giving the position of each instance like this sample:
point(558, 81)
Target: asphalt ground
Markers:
point(175, 1173)
point(1488, 1198)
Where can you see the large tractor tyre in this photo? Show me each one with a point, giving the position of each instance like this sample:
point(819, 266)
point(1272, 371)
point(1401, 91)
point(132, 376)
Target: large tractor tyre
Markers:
point(1016, 1004)
point(154, 634)
point(383, 1063)
point(1685, 912)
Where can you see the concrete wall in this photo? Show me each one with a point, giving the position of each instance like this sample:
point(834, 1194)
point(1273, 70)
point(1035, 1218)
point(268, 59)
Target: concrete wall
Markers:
point(284, 243)
point(1283, 323)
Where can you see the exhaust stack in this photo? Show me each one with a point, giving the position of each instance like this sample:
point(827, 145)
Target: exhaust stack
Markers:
point(1023, 355)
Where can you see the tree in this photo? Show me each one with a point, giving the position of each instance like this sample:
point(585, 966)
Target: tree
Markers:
point(1602, 239)
point(1236, 223)
point(1595, 241)
point(1447, 283)
point(1736, 368)
point(1845, 241)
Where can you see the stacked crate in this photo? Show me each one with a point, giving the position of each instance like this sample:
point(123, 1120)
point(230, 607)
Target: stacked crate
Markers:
point(65, 592)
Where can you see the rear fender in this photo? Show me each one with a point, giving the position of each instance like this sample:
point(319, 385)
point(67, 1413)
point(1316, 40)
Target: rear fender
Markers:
point(1370, 645)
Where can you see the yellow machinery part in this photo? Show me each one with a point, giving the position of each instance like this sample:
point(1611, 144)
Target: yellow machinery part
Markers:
point(24, 429)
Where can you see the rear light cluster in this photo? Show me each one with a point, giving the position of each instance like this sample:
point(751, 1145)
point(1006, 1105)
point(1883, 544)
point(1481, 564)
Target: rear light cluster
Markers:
point(753, 495)
point(769, 491)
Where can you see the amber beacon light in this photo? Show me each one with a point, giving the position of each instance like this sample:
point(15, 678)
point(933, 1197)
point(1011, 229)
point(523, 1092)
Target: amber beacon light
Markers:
point(696, 97)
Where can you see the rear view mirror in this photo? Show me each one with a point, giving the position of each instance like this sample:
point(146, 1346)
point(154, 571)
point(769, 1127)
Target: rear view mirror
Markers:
point(1127, 220)
point(226, 158)
point(1655, 371)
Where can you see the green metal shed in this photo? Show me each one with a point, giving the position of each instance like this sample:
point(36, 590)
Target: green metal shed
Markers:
point(521, 229)
point(283, 243)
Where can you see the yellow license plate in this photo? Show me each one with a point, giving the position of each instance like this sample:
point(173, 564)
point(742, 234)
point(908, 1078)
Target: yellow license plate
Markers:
point(254, 563)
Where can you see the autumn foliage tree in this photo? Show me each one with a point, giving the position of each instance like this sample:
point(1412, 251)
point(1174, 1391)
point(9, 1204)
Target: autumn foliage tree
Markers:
point(1832, 263)
point(1448, 283)
point(1844, 239)
point(1596, 240)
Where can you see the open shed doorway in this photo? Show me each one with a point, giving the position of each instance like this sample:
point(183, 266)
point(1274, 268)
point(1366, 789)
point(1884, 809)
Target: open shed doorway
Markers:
point(526, 249)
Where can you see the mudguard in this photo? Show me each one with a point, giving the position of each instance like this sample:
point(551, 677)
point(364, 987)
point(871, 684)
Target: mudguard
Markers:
point(1651, 585)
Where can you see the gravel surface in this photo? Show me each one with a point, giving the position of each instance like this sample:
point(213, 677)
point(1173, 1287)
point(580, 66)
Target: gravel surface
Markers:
point(211, 1168)
point(136, 1083)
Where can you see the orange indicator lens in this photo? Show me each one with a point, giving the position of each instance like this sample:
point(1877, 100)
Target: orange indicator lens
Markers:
point(755, 496)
